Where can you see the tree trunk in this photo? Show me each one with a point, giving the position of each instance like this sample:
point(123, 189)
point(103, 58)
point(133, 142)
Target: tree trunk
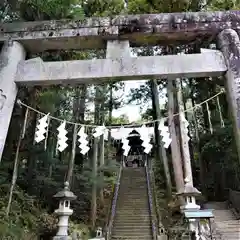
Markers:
point(31, 167)
point(161, 152)
point(94, 185)
point(16, 162)
point(101, 146)
point(82, 103)
point(110, 109)
point(176, 154)
point(101, 163)
point(14, 176)
point(95, 160)
point(73, 154)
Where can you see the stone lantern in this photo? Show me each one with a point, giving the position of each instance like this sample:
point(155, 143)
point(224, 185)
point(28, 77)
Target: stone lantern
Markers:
point(189, 193)
point(64, 212)
point(99, 234)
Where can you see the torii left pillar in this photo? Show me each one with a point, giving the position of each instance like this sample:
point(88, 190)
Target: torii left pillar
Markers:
point(11, 55)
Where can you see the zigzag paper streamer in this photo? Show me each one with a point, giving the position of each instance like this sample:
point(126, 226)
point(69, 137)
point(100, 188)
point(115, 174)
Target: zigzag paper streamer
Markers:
point(41, 129)
point(62, 139)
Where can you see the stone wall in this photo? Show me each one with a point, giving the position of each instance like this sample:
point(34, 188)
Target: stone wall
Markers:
point(234, 199)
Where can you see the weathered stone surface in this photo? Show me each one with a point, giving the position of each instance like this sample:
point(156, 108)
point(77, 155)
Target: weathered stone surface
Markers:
point(229, 43)
point(151, 29)
point(12, 53)
point(36, 72)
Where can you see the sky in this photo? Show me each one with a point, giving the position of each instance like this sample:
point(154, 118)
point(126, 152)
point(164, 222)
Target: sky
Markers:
point(132, 110)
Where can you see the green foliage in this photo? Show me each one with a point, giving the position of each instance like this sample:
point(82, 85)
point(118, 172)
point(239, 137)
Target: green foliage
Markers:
point(27, 219)
point(221, 5)
point(221, 164)
point(103, 8)
point(122, 119)
point(50, 9)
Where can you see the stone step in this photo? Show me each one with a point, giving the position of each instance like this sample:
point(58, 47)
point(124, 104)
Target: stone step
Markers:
point(137, 177)
point(126, 214)
point(131, 216)
point(142, 237)
point(133, 193)
point(128, 186)
point(133, 200)
point(226, 224)
point(231, 236)
point(129, 232)
point(223, 215)
point(133, 206)
point(231, 222)
point(216, 205)
point(134, 173)
point(134, 180)
point(125, 233)
point(132, 220)
point(137, 219)
point(138, 181)
point(127, 227)
point(135, 190)
point(120, 224)
point(140, 195)
point(130, 208)
point(137, 205)
point(131, 203)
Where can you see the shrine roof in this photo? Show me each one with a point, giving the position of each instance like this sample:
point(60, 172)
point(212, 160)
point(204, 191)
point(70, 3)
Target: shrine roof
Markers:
point(140, 30)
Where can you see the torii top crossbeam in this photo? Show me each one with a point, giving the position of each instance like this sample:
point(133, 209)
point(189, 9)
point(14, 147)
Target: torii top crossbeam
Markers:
point(146, 29)
point(133, 30)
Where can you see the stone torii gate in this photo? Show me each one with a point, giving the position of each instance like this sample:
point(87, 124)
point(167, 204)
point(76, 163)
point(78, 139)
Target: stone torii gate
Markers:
point(116, 34)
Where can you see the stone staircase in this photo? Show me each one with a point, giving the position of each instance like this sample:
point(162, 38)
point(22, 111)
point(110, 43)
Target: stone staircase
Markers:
point(226, 223)
point(132, 219)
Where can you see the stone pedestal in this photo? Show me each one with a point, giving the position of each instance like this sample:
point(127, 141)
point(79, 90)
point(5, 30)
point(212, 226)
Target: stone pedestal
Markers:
point(229, 44)
point(162, 237)
point(11, 55)
point(62, 238)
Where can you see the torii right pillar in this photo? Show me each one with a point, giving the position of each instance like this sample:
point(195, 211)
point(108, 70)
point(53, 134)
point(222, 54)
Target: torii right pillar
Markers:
point(229, 44)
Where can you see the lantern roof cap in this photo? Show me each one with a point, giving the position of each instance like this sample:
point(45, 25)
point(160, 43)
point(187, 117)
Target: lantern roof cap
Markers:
point(188, 190)
point(65, 193)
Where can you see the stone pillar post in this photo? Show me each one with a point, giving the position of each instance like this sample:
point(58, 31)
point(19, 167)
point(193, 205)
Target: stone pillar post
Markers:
point(229, 44)
point(12, 53)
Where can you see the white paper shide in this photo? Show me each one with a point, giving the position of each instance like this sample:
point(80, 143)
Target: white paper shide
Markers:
point(42, 126)
point(84, 148)
point(61, 137)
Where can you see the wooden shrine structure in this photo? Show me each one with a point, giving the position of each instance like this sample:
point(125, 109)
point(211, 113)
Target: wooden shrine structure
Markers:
point(117, 34)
